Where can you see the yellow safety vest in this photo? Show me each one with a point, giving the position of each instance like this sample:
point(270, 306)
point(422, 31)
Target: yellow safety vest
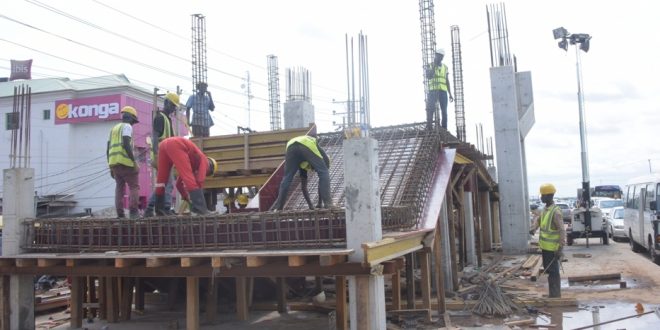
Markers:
point(117, 154)
point(167, 131)
point(549, 236)
point(439, 81)
point(308, 142)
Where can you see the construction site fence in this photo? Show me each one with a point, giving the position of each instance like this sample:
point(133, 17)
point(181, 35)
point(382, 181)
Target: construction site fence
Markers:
point(306, 229)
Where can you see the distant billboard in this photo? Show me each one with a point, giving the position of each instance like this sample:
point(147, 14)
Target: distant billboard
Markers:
point(87, 110)
point(21, 69)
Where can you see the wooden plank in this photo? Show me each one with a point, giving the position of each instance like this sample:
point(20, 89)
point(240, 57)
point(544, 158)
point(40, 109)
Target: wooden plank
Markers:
point(192, 303)
point(112, 301)
point(191, 262)
point(295, 261)
point(72, 262)
point(41, 262)
point(4, 301)
point(153, 262)
point(126, 262)
point(211, 301)
point(253, 261)
point(425, 281)
point(396, 290)
point(216, 262)
point(126, 299)
point(282, 289)
point(6, 262)
point(331, 260)
point(341, 308)
point(410, 281)
point(521, 322)
point(439, 269)
point(241, 299)
point(531, 261)
point(536, 271)
point(139, 294)
point(595, 277)
point(103, 303)
point(26, 262)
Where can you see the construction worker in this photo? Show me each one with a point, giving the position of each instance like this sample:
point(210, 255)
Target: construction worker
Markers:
point(201, 103)
point(551, 238)
point(303, 154)
point(161, 130)
point(192, 167)
point(123, 167)
point(242, 199)
point(439, 87)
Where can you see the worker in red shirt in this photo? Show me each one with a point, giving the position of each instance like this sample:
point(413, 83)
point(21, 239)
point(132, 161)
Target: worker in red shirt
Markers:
point(192, 166)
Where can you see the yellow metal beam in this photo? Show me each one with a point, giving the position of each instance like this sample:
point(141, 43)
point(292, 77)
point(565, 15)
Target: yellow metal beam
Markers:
point(392, 247)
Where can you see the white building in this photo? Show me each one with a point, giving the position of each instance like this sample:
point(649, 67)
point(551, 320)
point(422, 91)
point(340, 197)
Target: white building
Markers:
point(70, 124)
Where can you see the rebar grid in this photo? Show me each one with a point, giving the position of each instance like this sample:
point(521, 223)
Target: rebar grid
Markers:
point(271, 230)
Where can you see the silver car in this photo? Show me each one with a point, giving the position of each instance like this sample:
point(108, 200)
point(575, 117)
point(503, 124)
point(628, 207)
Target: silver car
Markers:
point(615, 227)
point(566, 211)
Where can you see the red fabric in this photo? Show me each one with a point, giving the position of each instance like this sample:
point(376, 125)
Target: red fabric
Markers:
point(190, 163)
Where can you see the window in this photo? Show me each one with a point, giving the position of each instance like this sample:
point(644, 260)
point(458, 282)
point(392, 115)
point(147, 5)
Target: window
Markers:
point(634, 204)
point(47, 114)
point(650, 196)
point(11, 121)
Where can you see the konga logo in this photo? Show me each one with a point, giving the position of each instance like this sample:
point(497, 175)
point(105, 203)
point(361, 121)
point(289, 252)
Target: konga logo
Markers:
point(87, 110)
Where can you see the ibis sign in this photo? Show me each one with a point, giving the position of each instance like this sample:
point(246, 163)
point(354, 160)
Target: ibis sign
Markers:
point(86, 110)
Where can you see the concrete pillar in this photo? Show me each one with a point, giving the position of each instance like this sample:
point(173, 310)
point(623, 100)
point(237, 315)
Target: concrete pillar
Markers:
point(363, 224)
point(18, 204)
point(470, 243)
point(514, 215)
point(298, 114)
point(446, 246)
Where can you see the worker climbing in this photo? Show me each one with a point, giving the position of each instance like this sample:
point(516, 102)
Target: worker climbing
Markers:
point(162, 129)
point(303, 154)
point(551, 238)
point(438, 77)
point(123, 167)
point(192, 167)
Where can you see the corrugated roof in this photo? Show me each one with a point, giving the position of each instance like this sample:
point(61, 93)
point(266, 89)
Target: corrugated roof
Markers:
point(61, 84)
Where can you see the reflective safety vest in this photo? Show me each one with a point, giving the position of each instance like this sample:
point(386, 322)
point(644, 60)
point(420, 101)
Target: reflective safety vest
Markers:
point(439, 81)
point(549, 236)
point(167, 131)
point(117, 154)
point(308, 142)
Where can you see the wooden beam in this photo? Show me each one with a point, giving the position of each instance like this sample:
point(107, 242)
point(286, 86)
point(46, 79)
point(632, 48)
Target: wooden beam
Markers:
point(410, 281)
point(6, 262)
point(282, 289)
point(212, 301)
point(254, 261)
point(425, 282)
point(595, 277)
point(241, 299)
point(295, 261)
point(216, 262)
point(77, 289)
point(139, 294)
point(396, 290)
point(331, 260)
point(439, 270)
point(192, 303)
point(6, 304)
point(49, 262)
point(126, 262)
point(126, 299)
point(26, 262)
point(341, 308)
point(112, 301)
point(191, 262)
point(72, 262)
point(153, 262)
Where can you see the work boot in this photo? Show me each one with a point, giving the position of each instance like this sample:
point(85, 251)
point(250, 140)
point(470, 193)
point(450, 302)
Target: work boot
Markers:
point(134, 214)
point(160, 205)
point(149, 212)
point(198, 203)
point(120, 214)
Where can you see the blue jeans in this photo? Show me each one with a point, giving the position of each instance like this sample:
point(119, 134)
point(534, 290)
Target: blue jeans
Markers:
point(168, 195)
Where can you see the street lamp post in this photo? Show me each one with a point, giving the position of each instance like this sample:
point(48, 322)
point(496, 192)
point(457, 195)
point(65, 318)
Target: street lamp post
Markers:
point(581, 42)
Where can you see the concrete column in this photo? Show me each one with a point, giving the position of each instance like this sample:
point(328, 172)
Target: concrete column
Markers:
point(18, 204)
point(446, 248)
point(298, 114)
point(470, 244)
point(363, 224)
point(513, 210)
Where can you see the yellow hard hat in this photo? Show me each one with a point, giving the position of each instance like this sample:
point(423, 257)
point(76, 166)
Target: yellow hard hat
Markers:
point(213, 167)
point(242, 199)
point(131, 111)
point(547, 189)
point(173, 97)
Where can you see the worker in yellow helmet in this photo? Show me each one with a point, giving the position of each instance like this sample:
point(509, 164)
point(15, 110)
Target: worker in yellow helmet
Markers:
point(303, 154)
point(161, 130)
point(551, 238)
point(123, 166)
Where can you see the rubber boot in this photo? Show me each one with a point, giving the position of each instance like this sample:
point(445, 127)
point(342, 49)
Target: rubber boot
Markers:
point(554, 287)
point(198, 203)
point(160, 205)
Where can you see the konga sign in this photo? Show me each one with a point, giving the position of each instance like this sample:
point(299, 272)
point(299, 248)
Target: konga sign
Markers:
point(86, 110)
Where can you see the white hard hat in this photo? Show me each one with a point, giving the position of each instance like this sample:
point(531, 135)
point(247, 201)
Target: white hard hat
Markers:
point(440, 51)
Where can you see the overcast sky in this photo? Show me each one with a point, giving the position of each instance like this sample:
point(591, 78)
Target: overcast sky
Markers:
point(97, 37)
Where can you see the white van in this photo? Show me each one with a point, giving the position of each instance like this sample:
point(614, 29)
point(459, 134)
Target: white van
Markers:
point(641, 217)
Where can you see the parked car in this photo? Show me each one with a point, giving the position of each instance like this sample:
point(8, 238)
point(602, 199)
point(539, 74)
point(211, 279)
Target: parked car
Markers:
point(615, 226)
point(566, 211)
point(606, 205)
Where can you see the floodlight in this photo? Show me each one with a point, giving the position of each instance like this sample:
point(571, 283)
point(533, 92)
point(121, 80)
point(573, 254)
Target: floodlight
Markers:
point(563, 44)
point(560, 33)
